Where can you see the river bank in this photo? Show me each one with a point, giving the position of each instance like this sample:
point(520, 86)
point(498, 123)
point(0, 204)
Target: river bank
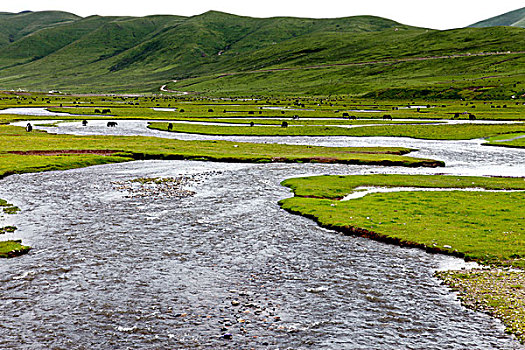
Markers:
point(477, 226)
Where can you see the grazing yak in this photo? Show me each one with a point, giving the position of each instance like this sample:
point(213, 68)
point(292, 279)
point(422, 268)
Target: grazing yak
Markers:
point(29, 127)
point(112, 124)
point(170, 126)
point(84, 122)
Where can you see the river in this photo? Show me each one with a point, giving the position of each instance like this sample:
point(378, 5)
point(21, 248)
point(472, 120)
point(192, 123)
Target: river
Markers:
point(110, 270)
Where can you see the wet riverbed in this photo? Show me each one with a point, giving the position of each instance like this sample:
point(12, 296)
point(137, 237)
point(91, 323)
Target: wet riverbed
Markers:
point(112, 271)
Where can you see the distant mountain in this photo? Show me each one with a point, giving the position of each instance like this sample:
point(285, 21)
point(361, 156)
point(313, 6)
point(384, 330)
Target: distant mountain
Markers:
point(220, 53)
point(514, 19)
point(47, 46)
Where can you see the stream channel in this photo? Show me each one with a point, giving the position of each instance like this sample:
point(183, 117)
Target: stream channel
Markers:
point(225, 267)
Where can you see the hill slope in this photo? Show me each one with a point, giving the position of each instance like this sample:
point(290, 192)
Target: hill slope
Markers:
point(14, 26)
point(219, 53)
point(514, 18)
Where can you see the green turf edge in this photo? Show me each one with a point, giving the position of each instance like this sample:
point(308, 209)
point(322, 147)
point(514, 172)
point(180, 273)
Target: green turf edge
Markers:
point(349, 230)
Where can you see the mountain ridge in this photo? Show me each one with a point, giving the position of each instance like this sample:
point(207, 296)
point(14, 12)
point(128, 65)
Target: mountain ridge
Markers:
point(61, 51)
point(514, 18)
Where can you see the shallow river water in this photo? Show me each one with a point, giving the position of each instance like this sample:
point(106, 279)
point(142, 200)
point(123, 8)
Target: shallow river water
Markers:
point(462, 157)
point(109, 270)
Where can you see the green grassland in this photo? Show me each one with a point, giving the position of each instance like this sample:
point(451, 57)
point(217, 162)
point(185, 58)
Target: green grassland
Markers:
point(481, 226)
point(477, 77)
point(433, 132)
point(129, 148)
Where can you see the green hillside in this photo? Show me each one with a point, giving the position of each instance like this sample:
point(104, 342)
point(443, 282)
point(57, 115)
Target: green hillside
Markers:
point(14, 26)
point(44, 42)
point(514, 18)
point(219, 53)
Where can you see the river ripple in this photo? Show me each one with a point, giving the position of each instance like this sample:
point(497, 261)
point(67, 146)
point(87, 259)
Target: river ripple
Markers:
point(112, 272)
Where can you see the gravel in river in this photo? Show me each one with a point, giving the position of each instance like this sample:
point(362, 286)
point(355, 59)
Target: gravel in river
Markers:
point(222, 268)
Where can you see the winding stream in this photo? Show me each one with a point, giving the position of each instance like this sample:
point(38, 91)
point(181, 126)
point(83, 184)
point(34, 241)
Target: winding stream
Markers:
point(112, 271)
point(462, 157)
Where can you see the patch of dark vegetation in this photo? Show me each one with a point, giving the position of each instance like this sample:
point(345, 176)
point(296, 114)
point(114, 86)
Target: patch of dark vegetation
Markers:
point(11, 249)
point(139, 55)
point(7, 229)
point(8, 208)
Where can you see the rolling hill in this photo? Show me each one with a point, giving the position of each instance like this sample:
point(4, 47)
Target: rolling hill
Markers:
point(219, 53)
point(14, 26)
point(514, 18)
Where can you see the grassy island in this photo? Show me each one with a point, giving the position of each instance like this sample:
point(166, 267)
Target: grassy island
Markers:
point(419, 131)
point(11, 249)
point(39, 151)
